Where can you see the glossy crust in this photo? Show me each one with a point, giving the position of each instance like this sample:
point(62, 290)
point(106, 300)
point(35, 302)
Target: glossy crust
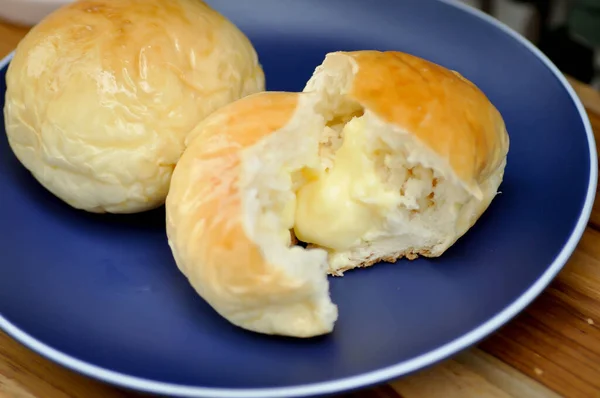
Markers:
point(212, 233)
point(102, 93)
point(443, 110)
point(206, 231)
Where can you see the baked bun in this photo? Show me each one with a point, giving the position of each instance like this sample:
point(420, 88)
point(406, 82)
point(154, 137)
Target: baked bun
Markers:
point(428, 153)
point(102, 93)
point(383, 156)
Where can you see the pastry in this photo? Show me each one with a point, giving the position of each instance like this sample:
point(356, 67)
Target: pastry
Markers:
point(383, 156)
point(101, 95)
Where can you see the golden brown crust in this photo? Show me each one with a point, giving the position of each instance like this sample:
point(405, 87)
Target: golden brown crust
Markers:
point(205, 223)
point(139, 37)
point(243, 123)
point(102, 93)
point(114, 25)
point(216, 244)
point(442, 109)
point(208, 218)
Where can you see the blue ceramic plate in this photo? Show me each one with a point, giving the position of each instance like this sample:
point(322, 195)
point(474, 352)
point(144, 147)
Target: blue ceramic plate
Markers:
point(102, 294)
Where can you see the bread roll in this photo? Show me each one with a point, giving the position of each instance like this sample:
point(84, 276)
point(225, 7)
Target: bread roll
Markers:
point(102, 93)
point(383, 156)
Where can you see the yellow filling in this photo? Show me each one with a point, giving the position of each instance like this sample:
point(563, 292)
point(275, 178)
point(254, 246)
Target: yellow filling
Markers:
point(339, 206)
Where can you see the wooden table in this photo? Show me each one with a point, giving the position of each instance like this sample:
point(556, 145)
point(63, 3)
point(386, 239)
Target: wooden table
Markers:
point(550, 350)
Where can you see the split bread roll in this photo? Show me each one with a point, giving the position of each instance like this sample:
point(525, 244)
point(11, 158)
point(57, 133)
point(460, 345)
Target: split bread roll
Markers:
point(102, 93)
point(383, 156)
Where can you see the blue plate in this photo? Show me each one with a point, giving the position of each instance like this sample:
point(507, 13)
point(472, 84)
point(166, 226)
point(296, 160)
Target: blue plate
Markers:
point(102, 294)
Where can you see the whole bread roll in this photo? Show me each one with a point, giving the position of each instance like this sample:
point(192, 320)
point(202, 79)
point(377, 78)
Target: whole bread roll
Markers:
point(383, 156)
point(102, 93)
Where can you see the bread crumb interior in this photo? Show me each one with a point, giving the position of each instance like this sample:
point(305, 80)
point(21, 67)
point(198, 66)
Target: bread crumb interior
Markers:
point(386, 197)
point(367, 187)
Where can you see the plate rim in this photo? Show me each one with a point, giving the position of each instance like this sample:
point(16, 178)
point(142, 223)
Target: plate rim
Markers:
point(383, 374)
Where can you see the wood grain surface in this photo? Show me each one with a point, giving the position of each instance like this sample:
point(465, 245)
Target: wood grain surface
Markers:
point(552, 349)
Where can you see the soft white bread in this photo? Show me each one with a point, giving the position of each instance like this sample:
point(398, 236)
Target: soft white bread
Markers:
point(102, 93)
point(431, 137)
point(384, 155)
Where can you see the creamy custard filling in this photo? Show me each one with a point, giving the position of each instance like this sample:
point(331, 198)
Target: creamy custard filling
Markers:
point(341, 204)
